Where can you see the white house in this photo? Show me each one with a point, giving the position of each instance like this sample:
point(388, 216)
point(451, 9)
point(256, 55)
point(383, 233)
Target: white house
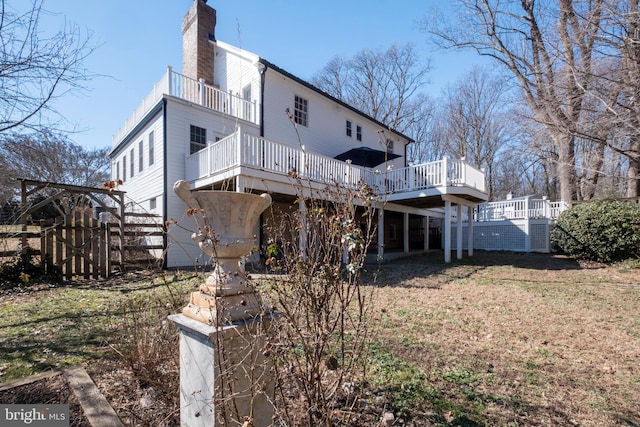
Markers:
point(222, 124)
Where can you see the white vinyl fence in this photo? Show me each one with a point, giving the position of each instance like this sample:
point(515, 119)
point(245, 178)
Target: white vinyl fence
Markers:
point(520, 225)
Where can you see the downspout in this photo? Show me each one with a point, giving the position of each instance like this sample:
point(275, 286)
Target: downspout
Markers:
point(165, 240)
point(406, 152)
point(262, 69)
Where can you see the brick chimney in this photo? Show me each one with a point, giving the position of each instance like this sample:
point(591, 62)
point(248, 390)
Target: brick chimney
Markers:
point(198, 31)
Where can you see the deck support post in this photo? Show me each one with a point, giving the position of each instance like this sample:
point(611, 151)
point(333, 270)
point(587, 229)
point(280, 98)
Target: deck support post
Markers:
point(380, 233)
point(447, 231)
point(459, 232)
point(470, 231)
point(405, 232)
point(425, 232)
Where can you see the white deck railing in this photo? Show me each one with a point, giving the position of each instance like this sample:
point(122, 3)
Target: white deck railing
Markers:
point(198, 92)
point(526, 208)
point(195, 91)
point(259, 153)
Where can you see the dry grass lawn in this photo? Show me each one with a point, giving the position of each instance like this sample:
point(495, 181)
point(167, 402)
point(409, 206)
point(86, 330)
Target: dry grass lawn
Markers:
point(515, 339)
point(499, 339)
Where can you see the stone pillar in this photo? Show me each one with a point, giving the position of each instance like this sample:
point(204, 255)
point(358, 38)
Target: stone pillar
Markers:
point(230, 356)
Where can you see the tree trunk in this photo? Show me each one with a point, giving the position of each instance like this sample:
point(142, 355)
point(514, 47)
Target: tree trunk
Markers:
point(566, 167)
point(633, 174)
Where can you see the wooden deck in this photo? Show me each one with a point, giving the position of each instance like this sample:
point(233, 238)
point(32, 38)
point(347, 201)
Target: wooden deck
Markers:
point(265, 165)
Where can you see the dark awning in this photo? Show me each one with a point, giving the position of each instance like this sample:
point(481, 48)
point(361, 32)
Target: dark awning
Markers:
point(365, 156)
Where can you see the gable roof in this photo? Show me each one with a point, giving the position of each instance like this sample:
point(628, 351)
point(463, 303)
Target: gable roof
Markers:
point(332, 98)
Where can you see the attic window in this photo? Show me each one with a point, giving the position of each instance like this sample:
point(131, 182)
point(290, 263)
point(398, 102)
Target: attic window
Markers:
point(348, 128)
point(301, 111)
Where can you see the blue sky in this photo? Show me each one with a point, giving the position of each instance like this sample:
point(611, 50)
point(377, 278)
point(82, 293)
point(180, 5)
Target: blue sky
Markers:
point(138, 39)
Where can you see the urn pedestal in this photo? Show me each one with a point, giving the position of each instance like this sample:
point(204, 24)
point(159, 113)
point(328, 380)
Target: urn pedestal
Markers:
point(223, 363)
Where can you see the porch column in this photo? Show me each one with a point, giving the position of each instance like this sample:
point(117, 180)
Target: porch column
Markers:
point(425, 227)
point(447, 231)
point(405, 232)
point(240, 187)
point(459, 232)
point(470, 232)
point(380, 233)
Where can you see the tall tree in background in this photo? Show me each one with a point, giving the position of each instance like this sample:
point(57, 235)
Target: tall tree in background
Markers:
point(35, 68)
point(549, 48)
point(49, 157)
point(475, 116)
point(385, 84)
point(622, 46)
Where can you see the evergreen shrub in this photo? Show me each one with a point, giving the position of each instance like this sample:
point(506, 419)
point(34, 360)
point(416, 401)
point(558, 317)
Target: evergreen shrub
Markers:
point(603, 231)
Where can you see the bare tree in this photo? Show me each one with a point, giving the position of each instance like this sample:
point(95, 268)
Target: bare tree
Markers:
point(621, 46)
point(50, 157)
point(529, 163)
point(385, 85)
point(475, 116)
point(36, 69)
point(549, 48)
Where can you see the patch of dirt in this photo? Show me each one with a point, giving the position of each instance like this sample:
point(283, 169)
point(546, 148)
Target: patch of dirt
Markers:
point(50, 391)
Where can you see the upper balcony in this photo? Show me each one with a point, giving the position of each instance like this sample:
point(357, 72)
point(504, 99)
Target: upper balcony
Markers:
point(241, 154)
point(194, 91)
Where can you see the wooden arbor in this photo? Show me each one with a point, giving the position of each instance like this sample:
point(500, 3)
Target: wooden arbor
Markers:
point(79, 242)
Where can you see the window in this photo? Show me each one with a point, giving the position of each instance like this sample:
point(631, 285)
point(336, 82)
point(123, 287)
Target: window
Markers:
point(359, 133)
point(393, 236)
point(131, 159)
point(348, 128)
point(151, 153)
point(124, 168)
point(117, 171)
point(140, 156)
point(389, 146)
point(198, 138)
point(301, 111)
point(246, 93)
point(246, 106)
point(152, 204)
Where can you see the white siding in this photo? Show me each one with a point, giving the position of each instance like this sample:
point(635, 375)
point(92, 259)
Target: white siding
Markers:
point(326, 131)
point(148, 184)
point(182, 251)
point(235, 69)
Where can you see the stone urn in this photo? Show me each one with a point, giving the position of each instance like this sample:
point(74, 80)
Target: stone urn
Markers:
point(226, 223)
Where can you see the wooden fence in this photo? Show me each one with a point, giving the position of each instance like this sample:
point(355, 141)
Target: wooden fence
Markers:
point(77, 246)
